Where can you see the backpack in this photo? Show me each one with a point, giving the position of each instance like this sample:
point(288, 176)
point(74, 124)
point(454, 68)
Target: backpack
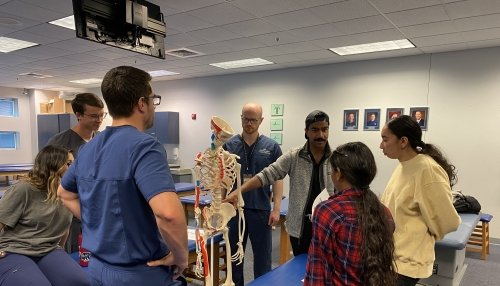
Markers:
point(465, 204)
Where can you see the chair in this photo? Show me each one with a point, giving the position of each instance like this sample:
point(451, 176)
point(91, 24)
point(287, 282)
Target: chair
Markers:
point(479, 240)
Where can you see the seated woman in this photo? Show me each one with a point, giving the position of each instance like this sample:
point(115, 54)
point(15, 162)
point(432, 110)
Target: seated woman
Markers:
point(352, 242)
point(34, 226)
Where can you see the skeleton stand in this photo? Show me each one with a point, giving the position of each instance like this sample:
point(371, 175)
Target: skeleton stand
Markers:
point(216, 170)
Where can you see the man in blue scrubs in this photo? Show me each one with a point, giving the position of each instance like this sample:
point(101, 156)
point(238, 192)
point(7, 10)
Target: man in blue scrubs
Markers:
point(121, 187)
point(256, 152)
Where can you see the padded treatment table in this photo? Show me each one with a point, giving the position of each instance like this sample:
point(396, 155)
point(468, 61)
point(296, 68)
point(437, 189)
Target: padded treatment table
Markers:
point(449, 266)
point(205, 200)
point(14, 170)
point(184, 189)
point(188, 203)
point(290, 274)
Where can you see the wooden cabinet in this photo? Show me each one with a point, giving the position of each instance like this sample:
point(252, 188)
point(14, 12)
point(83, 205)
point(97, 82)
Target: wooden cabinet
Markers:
point(166, 127)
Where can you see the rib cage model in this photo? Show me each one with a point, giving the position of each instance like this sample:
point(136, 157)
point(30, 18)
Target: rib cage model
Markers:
point(216, 171)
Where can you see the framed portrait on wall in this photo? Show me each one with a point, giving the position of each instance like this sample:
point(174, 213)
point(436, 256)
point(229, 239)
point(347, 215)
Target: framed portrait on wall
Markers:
point(372, 119)
point(421, 115)
point(393, 113)
point(351, 119)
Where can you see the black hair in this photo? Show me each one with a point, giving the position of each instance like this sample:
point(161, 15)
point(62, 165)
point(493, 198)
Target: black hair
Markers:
point(407, 126)
point(316, 116)
point(356, 163)
point(81, 99)
point(122, 87)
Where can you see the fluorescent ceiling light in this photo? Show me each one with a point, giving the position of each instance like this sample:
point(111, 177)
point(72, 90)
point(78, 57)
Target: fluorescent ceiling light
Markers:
point(67, 22)
point(242, 63)
point(373, 47)
point(9, 45)
point(159, 73)
point(87, 81)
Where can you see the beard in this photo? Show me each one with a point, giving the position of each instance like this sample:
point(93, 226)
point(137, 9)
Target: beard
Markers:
point(249, 129)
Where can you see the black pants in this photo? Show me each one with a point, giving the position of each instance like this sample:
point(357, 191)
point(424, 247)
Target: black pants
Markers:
point(301, 244)
point(406, 281)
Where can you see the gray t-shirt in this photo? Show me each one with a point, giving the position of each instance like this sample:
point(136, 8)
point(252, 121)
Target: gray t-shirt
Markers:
point(69, 139)
point(33, 226)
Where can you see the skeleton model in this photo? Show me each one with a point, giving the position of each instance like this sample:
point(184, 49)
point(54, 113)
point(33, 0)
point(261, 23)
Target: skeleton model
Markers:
point(216, 171)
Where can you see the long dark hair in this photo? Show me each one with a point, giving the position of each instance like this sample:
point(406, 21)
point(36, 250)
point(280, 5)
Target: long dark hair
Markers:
point(47, 169)
point(407, 126)
point(357, 164)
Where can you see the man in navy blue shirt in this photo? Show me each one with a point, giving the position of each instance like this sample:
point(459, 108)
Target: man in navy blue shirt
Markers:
point(120, 186)
point(256, 152)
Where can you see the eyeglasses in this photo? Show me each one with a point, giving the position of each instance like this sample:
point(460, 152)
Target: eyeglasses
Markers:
point(96, 117)
point(249, 120)
point(156, 99)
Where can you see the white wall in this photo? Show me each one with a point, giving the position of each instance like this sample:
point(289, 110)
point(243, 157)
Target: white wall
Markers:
point(21, 124)
point(464, 109)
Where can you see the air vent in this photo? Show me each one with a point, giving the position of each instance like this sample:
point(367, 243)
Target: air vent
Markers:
point(183, 53)
point(35, 75)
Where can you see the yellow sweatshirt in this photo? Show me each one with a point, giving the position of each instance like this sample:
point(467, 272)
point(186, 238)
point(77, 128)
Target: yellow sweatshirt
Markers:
point(419, 198)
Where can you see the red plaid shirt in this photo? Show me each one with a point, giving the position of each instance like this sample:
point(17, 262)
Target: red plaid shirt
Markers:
point(335, 252)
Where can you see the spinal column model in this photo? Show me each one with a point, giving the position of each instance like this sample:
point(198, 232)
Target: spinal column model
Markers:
point(216, 171)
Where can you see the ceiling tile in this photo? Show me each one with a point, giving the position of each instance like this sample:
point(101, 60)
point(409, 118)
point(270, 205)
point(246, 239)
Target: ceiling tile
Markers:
point(297, 47)
point(296, 19)
point(228, 46)
point(429, 29)
point(251, 27)
point(444, 48)
point(481, 35)
point(437, 40)
point(64, 7)
point(78, 45)
point(478, 22)
point(378, 36)
point(26, 10)
point(52, 32)
point(387, 6)
point(263, 8)
point(214, 34)
point(345, 10)
point(367, 24)
point(316, 32)
point(221, 14)
point(42, 52)
point(183, 6)
point(185, 22)
point(419, 16)
point(183, 40)
point(333, 42)
point(276, 38)
point(464, 9)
